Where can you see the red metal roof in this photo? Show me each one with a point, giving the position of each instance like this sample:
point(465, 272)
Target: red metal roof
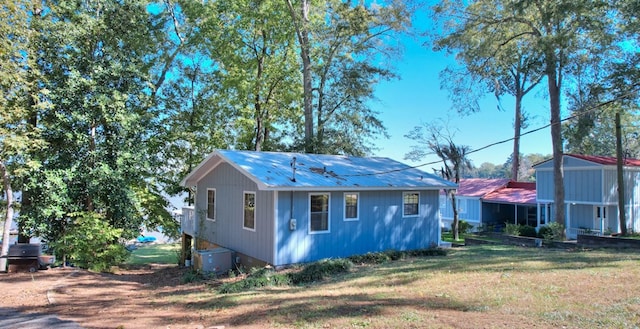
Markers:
point(608, 161)
point(478, 187)
point(514, 192)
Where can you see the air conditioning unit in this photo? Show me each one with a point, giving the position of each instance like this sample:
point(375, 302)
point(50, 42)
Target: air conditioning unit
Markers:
point(216, 260)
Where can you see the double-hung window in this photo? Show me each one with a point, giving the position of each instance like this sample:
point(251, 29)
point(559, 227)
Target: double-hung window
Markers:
point(410, 202)
point(319, 212)
point(211, 204)
point(351, 205)
point(249, 221)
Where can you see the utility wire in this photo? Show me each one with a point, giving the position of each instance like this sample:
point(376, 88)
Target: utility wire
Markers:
point(581, 113)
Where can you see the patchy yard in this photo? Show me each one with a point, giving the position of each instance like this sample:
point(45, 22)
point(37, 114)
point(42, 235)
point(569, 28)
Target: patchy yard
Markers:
point(472, 287)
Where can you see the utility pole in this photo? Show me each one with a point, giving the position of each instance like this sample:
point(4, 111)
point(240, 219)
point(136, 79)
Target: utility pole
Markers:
point(621, 209)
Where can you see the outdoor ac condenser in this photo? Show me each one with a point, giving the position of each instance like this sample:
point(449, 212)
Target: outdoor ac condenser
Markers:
point(216, 260)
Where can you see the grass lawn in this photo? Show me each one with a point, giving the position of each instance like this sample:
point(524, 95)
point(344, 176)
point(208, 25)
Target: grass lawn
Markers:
point(155, 253)
point(488, 286)
point(448, 236)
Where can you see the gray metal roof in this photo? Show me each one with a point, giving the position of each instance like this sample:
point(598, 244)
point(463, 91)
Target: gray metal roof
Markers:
point(274, 171)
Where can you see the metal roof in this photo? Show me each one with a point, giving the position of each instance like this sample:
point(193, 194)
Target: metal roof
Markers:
point(602, 160)
point(274, 171)
point(478, 187)
point(514, 192)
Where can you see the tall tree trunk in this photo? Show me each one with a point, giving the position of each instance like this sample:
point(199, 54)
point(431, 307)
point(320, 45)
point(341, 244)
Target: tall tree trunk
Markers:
point(622, 214)
point(302, 30)
point(517, 125)
point(6, 183)
point(456, 222)
point(556, 138)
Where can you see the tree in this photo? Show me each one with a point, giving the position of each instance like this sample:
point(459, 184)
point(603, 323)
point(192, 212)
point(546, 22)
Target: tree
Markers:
point(18, 138)
point(92, 58)
point(345, 49)
point(489, 65)
point(259, 69)
point(558, 31)
point(454, 159)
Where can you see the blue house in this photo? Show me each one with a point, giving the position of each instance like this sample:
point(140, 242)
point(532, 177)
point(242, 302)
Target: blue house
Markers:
point(286, 208)
point(591, 194)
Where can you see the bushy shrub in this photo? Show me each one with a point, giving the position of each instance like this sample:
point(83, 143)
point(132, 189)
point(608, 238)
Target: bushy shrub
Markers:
point(554, 232)
point(528, 231)
point(91, 242)
point(463, 227)
point(257, 278)
point(512, 229)
point(370, 258)
point(427, 252)
point(543, 231)
point(321, 270)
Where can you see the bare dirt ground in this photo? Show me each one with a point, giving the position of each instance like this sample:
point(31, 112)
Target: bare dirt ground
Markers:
point(129, 298)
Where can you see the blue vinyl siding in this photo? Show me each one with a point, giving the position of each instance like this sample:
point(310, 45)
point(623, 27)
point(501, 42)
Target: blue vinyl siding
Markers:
point(380, 226)
point(583, 185)
point(227, 231)
point(471, 214)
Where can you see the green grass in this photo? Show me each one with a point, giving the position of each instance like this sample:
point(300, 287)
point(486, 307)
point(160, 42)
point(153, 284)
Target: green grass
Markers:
point(523, 287)
point(155, 253)
point(448, 237)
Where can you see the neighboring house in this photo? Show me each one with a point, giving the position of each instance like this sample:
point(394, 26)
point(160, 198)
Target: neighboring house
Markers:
point(286, 208)
point(514, 203)
point(468, 200)
point(591, 195)
point(491, 203)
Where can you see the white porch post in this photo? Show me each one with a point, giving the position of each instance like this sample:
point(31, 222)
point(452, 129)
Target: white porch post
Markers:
point(568, 217)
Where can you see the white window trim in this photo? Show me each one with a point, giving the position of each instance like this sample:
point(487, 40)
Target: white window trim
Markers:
point(328, 213)
point(344, 209)
point(255, 201)
point(412, 215)
point(215, 204)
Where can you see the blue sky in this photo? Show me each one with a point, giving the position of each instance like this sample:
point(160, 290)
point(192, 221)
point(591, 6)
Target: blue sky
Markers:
point(416, 98)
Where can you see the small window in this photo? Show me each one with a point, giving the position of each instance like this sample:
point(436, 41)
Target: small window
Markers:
point(211, 204)
point(319, 212)
point(249, 210)
point(351, 205)
point(410, 202)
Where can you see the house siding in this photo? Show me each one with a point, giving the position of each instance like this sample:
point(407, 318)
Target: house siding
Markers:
point(582, 185)
point(227, 231)
point(472, 211)
point(380, 226)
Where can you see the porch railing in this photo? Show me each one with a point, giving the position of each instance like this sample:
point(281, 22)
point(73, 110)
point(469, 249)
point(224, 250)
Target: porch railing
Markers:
point(188, 220)
point(572, 232)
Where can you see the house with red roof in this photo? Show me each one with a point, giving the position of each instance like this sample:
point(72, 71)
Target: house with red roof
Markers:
point(591, 194)
point(491, 203)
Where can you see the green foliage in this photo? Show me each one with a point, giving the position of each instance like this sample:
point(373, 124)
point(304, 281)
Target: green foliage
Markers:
point(544, 231)
point(463, 227)
point(554, 231)
point(512, 229)
point(528, 231)
point(191, 276)
point(321, 270)
point(257, 278)
point(90, 242)
point(370, 258)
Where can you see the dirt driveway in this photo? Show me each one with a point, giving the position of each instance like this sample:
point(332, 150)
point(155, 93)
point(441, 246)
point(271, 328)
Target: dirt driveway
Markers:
point(130, 298)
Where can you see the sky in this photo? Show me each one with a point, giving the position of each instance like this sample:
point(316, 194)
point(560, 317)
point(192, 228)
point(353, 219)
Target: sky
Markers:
point(416, 99)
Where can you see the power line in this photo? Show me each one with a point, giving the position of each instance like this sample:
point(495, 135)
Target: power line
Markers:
point(581, 113)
